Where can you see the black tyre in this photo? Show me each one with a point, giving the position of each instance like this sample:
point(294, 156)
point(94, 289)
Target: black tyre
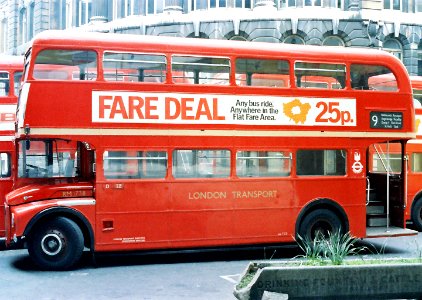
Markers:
point(56, 245)
point(416, 215)
point(322, 220)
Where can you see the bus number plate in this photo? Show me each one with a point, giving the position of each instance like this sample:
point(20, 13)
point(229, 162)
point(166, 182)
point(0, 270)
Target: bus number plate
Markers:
point(118, 186)
point(386, 120)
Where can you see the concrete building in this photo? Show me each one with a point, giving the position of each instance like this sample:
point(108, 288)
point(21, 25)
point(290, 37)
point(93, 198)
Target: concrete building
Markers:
point(392, 25)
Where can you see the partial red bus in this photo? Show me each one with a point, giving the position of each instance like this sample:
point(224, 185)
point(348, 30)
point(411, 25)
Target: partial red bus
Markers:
point(413, 212)
point(414, 152)
point(170, 143)
point(10, 75)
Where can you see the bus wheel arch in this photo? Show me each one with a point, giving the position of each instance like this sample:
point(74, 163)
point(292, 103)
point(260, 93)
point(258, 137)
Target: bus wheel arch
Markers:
point(67, 220)
point(416, 212)
point(321, 214)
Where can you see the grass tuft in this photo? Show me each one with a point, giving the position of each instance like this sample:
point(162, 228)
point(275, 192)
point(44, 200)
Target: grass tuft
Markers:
point(334, 248)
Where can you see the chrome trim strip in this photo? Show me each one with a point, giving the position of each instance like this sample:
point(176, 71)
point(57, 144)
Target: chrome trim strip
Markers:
point(76, 202)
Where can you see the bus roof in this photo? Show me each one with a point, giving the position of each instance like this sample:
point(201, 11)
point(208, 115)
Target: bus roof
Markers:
point(130, 42)
point(11, 62)
point(416, 82)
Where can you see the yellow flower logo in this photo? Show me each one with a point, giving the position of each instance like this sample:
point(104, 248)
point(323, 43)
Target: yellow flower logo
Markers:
point(296, 110)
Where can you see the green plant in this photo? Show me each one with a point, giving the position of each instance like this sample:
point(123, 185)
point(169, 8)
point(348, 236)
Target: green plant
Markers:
point(338, 246)
point(312, 249)
point(334, 248)
point(418, 250)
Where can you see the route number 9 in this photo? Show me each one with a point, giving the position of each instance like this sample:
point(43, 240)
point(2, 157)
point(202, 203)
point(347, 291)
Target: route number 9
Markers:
point(374, 120)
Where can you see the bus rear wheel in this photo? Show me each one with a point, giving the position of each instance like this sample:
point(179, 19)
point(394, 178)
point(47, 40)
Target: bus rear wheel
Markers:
point(417, 215)
point(320, 220)
point(56, 245)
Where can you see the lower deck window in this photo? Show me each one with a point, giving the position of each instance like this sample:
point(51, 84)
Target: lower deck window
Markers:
point(386, 157)
point(4, 84)
point(263, 164)
point(201, 163)
point(135, 164)
point(417, 162)
point(5, 170)
point(321, 162)
point(384, 162)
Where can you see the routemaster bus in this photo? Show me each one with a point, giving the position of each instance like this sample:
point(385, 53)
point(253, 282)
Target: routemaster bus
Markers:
point(173, 143)
point(413, 186)
point(414, 152)
point(10, 75)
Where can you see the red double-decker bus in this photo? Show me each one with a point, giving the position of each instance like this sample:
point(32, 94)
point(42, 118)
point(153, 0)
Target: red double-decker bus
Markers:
point(10, 76)
point(139, 142)
point(414, 152)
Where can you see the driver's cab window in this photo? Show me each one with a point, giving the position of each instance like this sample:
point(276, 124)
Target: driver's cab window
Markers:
point(47, 158)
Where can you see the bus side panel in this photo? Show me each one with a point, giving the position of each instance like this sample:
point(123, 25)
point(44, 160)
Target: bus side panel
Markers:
point(202, 212)
point(132, 214)
point(6, 183)
point(349, 194)
point(414, 176)
point(413, 189)
point(265, 210)
point(5, 187)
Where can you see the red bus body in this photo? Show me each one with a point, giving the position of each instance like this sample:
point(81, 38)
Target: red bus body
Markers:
point(413, 212)
point(414, 150)
point(176, 158)
point(11, 68)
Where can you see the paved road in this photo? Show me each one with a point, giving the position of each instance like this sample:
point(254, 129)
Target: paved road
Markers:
point(199, 275)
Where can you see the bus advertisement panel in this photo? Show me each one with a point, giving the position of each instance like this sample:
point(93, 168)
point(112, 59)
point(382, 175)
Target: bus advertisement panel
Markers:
point(165, 143)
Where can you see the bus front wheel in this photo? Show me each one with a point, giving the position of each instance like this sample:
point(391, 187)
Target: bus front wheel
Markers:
point(417, 215)
point(320, 220)
point(56, 245)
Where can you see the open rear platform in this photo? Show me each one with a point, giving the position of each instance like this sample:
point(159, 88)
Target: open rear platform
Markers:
point(388, 232)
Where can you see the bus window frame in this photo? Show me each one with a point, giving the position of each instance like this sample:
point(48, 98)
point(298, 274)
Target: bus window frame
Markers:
point(32, 64)
point(177, 54)
point(166, 64)
point(320, 62)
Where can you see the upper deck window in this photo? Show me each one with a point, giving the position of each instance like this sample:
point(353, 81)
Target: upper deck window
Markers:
point(134, 67)
point(372, 77)
point(200, 70)
point(4, 84)
point(65, 65)
point(320, 75)
point(17, 77)
point(262, 72)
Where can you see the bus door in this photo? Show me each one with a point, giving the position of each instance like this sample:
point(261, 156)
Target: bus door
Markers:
point(385, 198)
point(6, 181)
point(132, 199)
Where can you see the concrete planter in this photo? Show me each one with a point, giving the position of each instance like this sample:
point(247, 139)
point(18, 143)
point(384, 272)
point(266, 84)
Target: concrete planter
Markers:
point(368, 281)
